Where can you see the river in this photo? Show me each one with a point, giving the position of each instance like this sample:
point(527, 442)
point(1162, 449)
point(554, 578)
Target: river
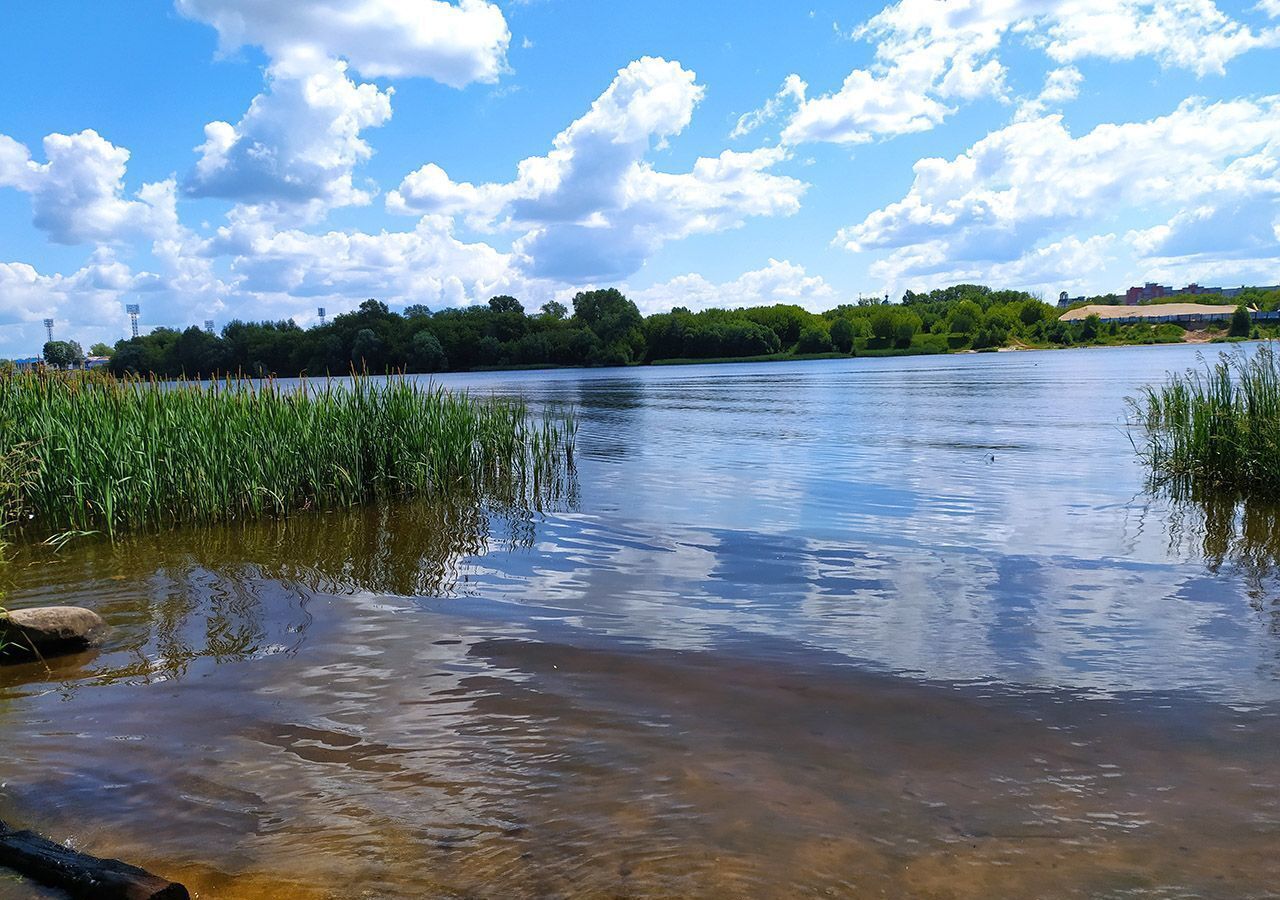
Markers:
point(883, 627)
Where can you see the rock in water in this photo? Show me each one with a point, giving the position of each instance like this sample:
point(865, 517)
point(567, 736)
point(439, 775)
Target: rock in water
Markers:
point(48, 631)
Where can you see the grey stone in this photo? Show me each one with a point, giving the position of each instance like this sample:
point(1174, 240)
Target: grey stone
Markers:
point(48, 631)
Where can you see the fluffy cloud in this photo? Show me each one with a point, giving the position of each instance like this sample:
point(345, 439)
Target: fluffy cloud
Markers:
point(594, 208)
point(996, 202)
point(933, 54)
point(77, 196)
point(452, 43)
point(289, 271)
point(1061, 86)
point(1070, 263)
point(298, 144)
point(778, 282)
point(84, 305)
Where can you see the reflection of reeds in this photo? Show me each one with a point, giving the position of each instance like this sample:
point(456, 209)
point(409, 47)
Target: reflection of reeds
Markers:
point(1215, 428)
point(88, 452)
point(1230, 534)
point(234, 591)
point(408, 549)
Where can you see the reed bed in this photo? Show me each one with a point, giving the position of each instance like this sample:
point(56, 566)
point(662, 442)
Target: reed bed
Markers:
point(86, 452)
point(1216, 428)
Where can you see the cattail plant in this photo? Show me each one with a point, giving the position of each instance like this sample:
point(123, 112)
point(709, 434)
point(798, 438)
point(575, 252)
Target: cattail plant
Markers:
point(88, 452)
point(1215, 428)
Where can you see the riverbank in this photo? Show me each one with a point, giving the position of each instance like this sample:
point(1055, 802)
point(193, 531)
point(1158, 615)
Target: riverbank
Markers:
point(1199, 338)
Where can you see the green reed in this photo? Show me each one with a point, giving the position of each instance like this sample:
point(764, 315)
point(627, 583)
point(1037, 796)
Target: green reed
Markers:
point(1215, 428)
point(87, 452)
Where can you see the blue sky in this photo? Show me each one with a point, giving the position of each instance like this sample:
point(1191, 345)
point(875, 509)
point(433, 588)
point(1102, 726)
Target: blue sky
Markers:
point(219, 159)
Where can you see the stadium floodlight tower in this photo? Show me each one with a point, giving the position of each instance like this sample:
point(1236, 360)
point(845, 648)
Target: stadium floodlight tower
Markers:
point(320, 310)
point(208, 325)
point(48, 329)
point(134, 311)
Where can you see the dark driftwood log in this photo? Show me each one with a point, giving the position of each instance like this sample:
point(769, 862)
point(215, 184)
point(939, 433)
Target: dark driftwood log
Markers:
point(79, 874)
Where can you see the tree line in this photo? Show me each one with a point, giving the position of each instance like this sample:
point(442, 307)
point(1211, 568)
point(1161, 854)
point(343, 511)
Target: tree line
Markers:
point(605, 328)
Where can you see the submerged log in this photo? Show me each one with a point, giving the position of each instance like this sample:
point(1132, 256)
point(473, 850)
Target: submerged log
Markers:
point(79, 874)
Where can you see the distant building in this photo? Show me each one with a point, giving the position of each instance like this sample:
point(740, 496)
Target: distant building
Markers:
point(1194, 288)
point(1185, 314)
point(1065, 300)
point(1149, 291)
point(1236, 292)
point(97, 362)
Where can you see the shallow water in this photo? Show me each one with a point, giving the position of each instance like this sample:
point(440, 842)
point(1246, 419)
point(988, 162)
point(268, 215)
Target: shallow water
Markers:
point(905, 627)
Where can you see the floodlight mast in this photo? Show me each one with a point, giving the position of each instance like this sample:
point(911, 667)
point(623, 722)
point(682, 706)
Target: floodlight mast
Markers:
point(134, 310)
point(48, 329)
point(320, 310)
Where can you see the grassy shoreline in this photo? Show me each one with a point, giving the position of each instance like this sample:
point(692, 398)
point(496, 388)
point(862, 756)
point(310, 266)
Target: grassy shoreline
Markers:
point(90, 453)
point(910, 351)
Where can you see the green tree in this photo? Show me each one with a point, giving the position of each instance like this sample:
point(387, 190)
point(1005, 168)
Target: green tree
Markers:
point(1092, 325)
point(197, 352)
point(63, 354)
point(814, 339)
point(554, 310)
point(505, 304)
point(965, 317)
point(615, 320)
point(417, 311)
point(101, 349)
point(1032, 312)
point(428, 355)
point(842, 335)
point(367, 351)
point(1241, 323)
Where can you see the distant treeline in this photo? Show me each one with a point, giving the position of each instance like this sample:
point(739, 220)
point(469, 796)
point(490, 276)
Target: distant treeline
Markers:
point(604, 328)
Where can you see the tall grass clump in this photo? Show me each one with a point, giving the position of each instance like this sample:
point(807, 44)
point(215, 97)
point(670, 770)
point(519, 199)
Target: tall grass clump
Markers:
point(87, 452)
point(1216, 428)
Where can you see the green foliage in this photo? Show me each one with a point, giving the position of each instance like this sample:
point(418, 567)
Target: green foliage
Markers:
point(965, 317)
point(615, 321)
point(87, 452)
point(505, 304)
point(814, 339)
point(842, 335)
point(100, 349)
point(368, 350)
point(1215, 428)
point(428, 355)
point(63, 354)
point(606, 328)
point(1240, 322)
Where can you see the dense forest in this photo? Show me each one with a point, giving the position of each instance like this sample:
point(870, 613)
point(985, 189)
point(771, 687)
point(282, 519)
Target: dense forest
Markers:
point(604, 328)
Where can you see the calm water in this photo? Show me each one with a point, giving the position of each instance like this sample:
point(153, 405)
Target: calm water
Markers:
point(891, 628)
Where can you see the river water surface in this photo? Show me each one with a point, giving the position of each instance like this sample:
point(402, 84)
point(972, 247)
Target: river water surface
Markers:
point(906, 627)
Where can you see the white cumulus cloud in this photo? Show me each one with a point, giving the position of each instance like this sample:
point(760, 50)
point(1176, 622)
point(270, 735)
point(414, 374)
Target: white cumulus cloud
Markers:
point(298, 144)
point(77, 196)
point(779, 282)
point(455, 44)
point(931, 55)
point(1212, 167)
point(595, 208)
